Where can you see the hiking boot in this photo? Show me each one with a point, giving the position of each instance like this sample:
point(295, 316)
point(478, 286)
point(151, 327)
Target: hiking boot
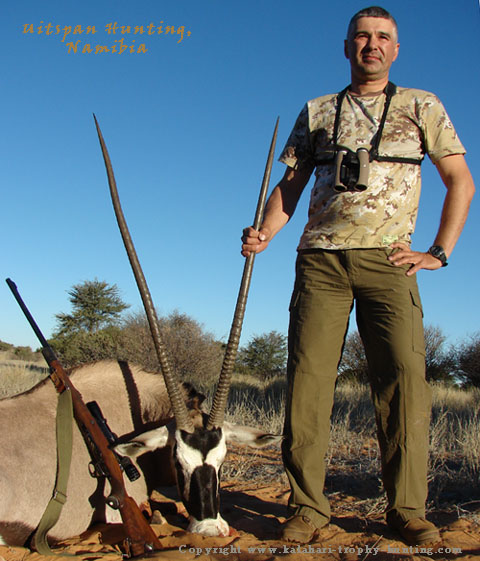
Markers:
point(417, 531)
point(299, 529)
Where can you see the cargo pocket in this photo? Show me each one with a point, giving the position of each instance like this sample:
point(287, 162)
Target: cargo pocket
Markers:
point(417, 323)
point(294, 300)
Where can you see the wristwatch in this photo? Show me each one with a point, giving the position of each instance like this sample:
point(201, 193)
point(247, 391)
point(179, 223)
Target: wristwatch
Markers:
point(438, 252)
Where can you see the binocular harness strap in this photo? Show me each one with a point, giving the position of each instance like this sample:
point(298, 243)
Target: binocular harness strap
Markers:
point(389, 91)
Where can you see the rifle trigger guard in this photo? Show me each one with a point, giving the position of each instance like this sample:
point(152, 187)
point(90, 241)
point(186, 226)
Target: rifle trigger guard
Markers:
point(95, 471)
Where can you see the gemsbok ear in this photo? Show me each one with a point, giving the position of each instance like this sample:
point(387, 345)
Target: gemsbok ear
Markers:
point(145, 442)
point(249, 436)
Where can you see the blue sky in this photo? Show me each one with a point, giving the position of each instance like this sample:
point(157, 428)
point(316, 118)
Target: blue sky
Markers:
point(188, 124)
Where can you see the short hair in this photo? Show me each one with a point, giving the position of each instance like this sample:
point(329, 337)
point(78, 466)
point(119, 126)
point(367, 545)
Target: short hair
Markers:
point(371, 12)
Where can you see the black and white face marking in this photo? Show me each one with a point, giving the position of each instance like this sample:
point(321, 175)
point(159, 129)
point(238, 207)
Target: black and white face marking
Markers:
point(198, 459)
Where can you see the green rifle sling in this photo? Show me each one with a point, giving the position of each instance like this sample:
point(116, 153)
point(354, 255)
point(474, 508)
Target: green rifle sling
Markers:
point(64, 456)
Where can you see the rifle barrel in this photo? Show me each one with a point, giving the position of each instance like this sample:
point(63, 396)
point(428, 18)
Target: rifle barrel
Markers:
point(47, 350)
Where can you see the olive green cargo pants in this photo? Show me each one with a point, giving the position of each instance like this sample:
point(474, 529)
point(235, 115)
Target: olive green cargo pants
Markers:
point(389, 319)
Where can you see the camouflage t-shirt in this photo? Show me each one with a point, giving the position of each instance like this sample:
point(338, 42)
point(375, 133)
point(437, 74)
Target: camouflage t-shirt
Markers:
point(416, 124)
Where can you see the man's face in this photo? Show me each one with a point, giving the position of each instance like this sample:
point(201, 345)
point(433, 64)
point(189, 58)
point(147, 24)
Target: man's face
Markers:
point(371, 48)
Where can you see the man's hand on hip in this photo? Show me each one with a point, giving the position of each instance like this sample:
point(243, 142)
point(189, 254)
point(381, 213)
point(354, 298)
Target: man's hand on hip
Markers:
point(417, 259)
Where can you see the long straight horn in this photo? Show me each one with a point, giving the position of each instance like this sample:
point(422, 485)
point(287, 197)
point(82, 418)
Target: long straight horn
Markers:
point(217, 413)
point(182, 417)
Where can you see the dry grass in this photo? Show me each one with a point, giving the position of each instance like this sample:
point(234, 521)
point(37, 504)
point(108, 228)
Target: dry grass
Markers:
point(17, 376)
point(455, 448)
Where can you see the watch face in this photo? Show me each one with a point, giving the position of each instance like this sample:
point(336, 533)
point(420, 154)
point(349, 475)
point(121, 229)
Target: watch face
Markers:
point(438, 252)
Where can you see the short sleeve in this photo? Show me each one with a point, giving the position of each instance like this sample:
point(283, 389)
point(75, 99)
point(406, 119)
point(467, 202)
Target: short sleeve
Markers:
point(297, 152)
point(440, 136)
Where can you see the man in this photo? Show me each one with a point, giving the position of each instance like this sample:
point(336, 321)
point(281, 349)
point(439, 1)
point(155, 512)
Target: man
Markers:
point(356, 247)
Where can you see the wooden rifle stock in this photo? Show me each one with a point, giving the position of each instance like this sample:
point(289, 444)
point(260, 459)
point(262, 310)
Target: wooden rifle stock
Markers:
point(141, 538)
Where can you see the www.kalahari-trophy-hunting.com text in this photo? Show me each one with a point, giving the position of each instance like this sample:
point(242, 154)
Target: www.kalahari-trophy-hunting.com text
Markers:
point(304, 549)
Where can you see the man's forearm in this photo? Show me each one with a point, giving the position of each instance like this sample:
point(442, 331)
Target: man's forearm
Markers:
point(276, 214)
point(460, 190)
point(278, 211)
point(284, 199)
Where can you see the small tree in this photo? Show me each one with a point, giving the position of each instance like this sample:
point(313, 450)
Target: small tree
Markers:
point(5, 346)
point(467, 359)
point(82, 347)
point(193, 353)
point(264, 356)
point(353, 365)
point(438, 362)
point(90, 332)
point(96, 305)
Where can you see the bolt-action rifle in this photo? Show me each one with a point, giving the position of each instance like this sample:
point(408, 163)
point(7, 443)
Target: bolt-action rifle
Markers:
point(140, 538)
